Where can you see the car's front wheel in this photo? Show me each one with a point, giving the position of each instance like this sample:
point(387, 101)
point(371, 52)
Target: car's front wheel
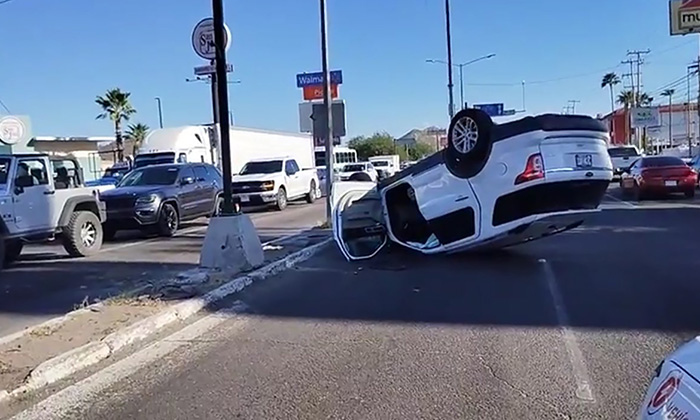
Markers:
point(13, 249)
point(468, 142)
point(168, 220)
point(83, 235)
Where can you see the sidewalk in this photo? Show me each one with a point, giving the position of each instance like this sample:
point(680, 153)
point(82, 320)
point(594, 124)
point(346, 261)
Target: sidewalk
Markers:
point(43, 354)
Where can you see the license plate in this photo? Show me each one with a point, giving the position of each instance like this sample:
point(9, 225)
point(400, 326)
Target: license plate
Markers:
point(671, 183)
point(245, 199)
point(584, 161)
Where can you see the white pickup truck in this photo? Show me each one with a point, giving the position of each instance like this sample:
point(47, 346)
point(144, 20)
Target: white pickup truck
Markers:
point(274, 182)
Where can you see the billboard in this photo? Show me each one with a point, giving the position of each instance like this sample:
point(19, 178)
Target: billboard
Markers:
point(645, 117)
point(684, 16)
point(316, 92)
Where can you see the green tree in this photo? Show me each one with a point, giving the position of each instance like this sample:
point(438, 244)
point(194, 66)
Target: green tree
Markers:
point(117, 108)
point(610, 80)
point(137, 133)
point(420, 150)
point(380, 143)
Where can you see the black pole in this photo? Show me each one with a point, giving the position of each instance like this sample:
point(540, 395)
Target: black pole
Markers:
point(222, 99)
point(450, 85)
point(327, 105)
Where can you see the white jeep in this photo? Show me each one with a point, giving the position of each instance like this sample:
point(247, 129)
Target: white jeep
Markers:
point(42, 198)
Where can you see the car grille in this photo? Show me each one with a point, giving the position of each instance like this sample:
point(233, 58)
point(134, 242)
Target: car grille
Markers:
point(246, 187)
point(120, 203)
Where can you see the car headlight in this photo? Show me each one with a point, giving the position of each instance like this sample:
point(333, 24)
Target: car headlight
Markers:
point(147, 199)
point(268, 185)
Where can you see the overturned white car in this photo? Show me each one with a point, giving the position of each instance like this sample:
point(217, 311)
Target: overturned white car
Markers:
point(494, 186)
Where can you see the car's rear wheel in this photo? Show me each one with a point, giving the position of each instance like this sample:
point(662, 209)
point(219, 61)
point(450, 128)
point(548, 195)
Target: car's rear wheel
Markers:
point(690, 193)
point(311, 196)
point(168, 220)
point(468, 142)
point(281, 202)
point(13, 249)
point(83, 235)
point(637, 193)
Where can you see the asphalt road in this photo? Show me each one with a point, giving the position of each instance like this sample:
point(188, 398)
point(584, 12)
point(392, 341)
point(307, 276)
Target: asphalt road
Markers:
point(567, 327)
point(46, 282)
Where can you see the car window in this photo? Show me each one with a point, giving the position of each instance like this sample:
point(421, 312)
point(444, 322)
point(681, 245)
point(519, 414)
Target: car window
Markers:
point(65, 173)
point(659, 161)
point(187, 172)
point(290, 167)
point(4, 170)
point(150, 175)
point(201, 174)
point(31, 172)
point(267, 167)
point(293, 164)
point(622, 152)
point(354, 167)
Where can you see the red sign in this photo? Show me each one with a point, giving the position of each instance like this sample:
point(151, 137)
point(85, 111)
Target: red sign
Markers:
point(665, 392)
point(316, 92)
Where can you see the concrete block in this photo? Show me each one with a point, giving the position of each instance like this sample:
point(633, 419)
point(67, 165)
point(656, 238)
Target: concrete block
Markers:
point(231, 244)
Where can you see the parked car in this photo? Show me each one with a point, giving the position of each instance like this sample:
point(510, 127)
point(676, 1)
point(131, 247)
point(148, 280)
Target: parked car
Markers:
point(351, 169)
point(495, 185)
point(159, 197)
point(658, 175)
point(695, 164)
point(674, 391)
point(623, 157)
point(275, 182)
point(43, 198)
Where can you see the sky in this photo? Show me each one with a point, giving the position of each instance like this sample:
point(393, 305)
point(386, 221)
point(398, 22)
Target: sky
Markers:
point(58, 55)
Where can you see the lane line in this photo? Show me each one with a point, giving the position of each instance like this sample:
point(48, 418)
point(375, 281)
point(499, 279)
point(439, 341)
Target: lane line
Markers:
point(584, 386)
point(620, 201)
point(66, 402)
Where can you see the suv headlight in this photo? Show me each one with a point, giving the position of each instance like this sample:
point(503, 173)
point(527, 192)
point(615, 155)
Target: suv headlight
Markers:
point(147, 199)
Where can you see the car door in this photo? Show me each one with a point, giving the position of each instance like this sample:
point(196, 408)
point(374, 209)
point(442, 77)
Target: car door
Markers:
point(294, 180)
point(31, 195)
point(188, 193)
point(358, 222)
point(206, 190)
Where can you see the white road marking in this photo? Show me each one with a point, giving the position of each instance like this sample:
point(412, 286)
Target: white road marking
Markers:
point(76, 397)
point(584, 387)
point(621, 201)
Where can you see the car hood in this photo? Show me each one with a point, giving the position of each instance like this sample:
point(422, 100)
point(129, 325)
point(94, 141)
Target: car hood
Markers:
point(130, 191)
point(254, 177)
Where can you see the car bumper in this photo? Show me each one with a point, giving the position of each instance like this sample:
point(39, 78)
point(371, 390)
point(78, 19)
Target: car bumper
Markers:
point(132, 218)
point(256, 199)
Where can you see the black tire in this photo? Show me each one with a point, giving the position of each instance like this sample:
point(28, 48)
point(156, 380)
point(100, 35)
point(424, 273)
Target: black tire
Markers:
point(2, 253)
point(637, 194)
point(690, 194)
point(13, 249)
point(281, 202)
point(83, 235)
point(168, 220)
point(108, 232)
point(360, 176)
point(468, 142)
point(311, 196)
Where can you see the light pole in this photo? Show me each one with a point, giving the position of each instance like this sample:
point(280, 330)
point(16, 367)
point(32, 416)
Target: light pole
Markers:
point(449, 60)
point(327, 104)
point(461, 66)
point(160, 112)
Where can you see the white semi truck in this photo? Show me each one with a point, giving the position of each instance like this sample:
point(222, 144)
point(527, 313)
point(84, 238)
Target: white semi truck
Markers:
point(197, 144)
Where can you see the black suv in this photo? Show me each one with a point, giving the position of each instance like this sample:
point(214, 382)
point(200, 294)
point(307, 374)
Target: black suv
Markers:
point(159, 197)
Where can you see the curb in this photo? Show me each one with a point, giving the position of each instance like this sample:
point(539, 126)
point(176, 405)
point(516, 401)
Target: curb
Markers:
point(72, 361)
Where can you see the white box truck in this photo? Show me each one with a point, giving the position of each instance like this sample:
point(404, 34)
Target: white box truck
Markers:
point(387, 165)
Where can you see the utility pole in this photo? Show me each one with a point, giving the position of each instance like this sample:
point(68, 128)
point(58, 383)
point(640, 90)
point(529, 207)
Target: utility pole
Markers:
point(449, 61)
point(638, 60)
point(693, 69)
point(572, 104)
point(327, 105)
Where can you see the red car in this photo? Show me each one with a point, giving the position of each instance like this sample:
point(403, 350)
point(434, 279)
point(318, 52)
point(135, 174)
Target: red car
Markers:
point(659, 175)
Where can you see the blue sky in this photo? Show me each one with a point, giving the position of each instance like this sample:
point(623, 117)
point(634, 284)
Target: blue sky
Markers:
point(59, 54)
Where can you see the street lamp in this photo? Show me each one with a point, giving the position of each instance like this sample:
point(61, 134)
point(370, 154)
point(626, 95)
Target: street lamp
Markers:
point(160, 112)
point(461, 66)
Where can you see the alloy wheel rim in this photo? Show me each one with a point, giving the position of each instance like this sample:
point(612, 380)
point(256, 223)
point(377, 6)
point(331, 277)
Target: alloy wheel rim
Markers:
point(465, 135)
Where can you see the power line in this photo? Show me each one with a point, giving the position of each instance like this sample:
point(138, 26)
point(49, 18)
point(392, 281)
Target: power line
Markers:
point(2, 104)
point(5, 1)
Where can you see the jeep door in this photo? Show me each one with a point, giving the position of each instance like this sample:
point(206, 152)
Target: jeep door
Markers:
point(32, 195)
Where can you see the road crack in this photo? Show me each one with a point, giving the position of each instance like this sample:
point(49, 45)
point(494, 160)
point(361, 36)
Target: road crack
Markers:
point(520, 391)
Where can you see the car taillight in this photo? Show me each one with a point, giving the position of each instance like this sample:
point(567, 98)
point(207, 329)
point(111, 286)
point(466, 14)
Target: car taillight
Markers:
point(534, 169)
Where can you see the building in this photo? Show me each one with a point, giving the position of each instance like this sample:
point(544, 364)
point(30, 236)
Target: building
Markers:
point(680, 118)
point(433, 136)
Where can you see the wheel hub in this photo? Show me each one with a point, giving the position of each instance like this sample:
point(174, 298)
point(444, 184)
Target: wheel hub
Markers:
point(88, 234)
point(465, 135)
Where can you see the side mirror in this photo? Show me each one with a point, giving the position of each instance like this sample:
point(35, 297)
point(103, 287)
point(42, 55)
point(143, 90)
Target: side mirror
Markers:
point(187, 180)
point(19, 189)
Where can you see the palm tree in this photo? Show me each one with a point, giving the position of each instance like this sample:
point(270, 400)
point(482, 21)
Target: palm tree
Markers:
point(644, 99)
point(669, 93)
point(626, 98)
point(137, 133)
point(610, 80)
point(116, 106)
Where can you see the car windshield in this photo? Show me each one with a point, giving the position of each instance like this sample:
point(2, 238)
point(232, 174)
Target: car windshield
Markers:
point(354, 168)
point(657, 162)
point(267, 167)
point(115, 172)
point(380, 163)
point(4, 170)
point(623, 152)
point(151, 175)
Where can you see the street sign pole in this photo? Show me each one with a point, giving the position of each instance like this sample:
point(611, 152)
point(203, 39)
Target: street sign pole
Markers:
point(220, 44)
point(449, 60)
point(327, 103)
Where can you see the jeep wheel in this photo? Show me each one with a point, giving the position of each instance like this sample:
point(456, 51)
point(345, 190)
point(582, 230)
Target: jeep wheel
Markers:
point(83, 235)
point(168, 220)
point(13, 249)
